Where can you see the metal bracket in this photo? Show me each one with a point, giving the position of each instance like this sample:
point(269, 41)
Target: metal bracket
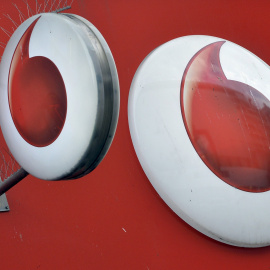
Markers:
point(4, 207)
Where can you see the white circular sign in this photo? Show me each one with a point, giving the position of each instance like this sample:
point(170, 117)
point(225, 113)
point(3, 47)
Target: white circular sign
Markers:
point(59, 96)
point(199, 118)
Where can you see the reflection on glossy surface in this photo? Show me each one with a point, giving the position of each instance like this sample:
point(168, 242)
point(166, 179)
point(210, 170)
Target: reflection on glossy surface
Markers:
point(228, 122)
point(37, 95)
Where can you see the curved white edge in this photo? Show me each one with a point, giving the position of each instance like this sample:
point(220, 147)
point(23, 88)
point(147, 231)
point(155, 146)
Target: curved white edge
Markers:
point(116, 87)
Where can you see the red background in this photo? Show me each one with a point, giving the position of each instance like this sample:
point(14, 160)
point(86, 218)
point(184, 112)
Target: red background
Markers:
point(113, 218)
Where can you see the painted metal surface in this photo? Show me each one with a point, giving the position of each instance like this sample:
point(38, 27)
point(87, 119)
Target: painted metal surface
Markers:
point(12, 180)
point(113, 218)
point(4, 207)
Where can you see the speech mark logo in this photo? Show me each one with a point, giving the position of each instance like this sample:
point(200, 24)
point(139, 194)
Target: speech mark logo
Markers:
point(37, 95)
point(228, 122)
point(59, 96)
point(199, 121)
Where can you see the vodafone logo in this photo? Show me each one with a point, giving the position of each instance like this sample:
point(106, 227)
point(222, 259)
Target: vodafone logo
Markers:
point(59, 96)
point(199, 121)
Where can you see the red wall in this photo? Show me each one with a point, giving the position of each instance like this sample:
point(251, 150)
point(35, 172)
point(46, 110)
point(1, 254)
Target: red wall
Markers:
point(113, 218)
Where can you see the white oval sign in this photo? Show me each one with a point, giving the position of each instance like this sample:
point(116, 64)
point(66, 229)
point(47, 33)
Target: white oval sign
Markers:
point(199, 117)
point(59, 96)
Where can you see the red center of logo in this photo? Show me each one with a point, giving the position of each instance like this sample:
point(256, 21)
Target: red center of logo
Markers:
point(228, 122)
point(37, 95)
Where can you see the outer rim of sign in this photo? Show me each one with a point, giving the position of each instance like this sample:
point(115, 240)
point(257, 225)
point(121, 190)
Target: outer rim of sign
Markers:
point(183, 214)
point(106, 122)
